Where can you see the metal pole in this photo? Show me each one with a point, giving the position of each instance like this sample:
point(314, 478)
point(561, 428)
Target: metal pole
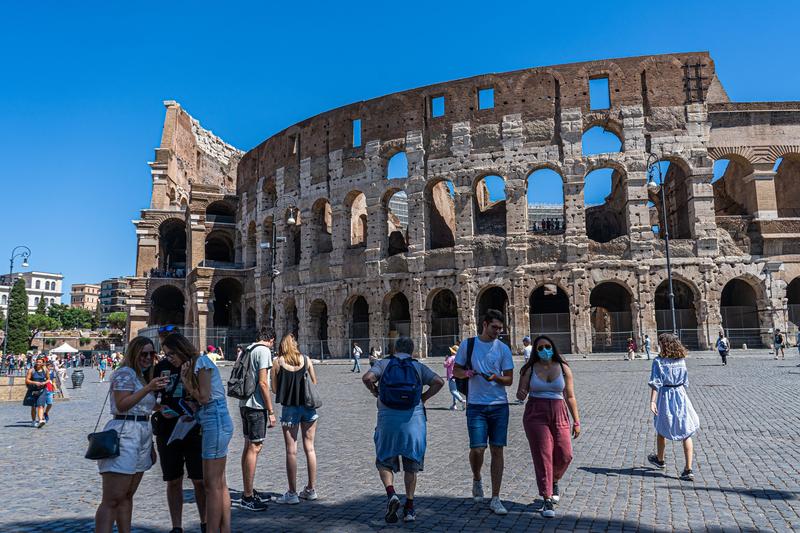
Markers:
point(663, 193)
point(8, 305)
point(272, 277)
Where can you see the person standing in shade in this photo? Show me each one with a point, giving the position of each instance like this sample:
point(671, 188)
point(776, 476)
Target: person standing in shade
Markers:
point(488, 364)
point(647, 346)
point(257, 415)
point(674, 416)
point(448, 364)
point(546, 380)
point(356, 356)
point(723, 347)
point(401, 428)
point(527, 348)
point(780, 343)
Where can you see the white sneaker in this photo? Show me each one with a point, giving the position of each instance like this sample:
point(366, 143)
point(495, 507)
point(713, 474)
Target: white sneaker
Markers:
point(497, 507)
point(477, 491)
point(308, 494)
point(34, 423)
point(288, 498)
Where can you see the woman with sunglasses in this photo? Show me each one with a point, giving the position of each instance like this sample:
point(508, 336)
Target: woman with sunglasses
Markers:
point(546, 380)
point(132, 398)
point(201, 380)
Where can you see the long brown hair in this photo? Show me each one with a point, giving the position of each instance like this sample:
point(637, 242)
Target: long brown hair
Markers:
point(671, 346)
point(185, 350)
point(535, 355)
point(131, 359)
point(290, 352)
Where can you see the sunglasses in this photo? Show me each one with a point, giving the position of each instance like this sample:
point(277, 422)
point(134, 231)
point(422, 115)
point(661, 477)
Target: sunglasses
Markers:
point(148, 352)
point(166, 329)
point(543, 347)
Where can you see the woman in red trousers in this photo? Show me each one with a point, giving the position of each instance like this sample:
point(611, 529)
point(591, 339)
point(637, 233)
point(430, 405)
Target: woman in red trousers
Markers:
point(546, 380)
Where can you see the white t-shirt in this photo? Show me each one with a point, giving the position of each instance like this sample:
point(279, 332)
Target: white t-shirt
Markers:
point(260, 358)
point(526, 352)
point(356, 351)
point(487, 358)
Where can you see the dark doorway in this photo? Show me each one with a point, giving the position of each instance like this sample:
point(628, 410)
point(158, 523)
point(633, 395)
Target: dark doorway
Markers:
point(166, 306)
point(612, 320)
point(549, 315)
point(739, 309)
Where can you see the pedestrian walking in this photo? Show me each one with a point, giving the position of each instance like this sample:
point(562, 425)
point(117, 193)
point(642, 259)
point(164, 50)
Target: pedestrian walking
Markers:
point(487, 363)
point(185, 452)
point(723, 347)
point(201, 379)
point(36, 380)
point(401, 427)
point(356, 356)
point(452, 386)
point(631, 349)
point(546, 381)
point(50, 389)
point(674, 416)
point(102, 365)
point(647, 346)
point(132, 399)
point(527, 348)
point(780, 343)
point(290, 376)
point(257, 415)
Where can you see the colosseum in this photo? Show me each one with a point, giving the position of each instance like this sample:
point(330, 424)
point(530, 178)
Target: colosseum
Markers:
point(412, 213)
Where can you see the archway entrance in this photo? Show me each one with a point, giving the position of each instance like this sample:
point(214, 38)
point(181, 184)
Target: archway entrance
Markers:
point(359, 324)
point(685, 312)
point(444, 323)
point(549, 315)
point(399, 323)
point(166, 306)
point(793, 302)
point(493, 298)
point(291, 321)
point(612, 320)
point(172, 247)
point(227, 304)
point(739, 309)
point(318, 344)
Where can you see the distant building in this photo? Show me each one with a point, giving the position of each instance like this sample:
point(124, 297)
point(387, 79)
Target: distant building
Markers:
point(539, 213)
point(39, 286)
point(113, 297)
point(399, 206)
point(85, 296)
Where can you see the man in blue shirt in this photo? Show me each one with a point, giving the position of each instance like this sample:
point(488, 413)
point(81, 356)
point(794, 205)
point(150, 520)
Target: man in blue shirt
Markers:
point(490, 370)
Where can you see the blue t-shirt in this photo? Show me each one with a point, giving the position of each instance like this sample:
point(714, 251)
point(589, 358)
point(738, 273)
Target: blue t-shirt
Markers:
point(487, 358)
point(217, 389)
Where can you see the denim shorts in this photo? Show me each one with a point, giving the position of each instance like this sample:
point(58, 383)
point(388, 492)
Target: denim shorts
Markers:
point(487, 423)
point(48, 399)
point(217, 429)
point(291, 415)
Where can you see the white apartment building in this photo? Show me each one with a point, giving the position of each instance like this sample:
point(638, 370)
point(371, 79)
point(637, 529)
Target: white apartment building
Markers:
point(45, 286)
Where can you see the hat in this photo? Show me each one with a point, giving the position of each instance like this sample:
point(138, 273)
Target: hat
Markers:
point(454, 349)
point(209, 348)
point(526, 339)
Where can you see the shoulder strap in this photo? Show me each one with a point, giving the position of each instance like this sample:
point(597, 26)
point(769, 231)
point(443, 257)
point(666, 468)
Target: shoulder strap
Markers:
point(470, 348)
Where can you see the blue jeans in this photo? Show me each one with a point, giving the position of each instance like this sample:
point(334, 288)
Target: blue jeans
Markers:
point(356, 365)
point(217, 427)
point(487, 423)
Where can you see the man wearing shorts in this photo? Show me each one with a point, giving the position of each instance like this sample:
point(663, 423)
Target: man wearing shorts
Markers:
point(490, 370)
point(186, 451)
point(257, 416)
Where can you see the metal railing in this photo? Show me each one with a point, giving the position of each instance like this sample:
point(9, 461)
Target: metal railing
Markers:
point(226, 338)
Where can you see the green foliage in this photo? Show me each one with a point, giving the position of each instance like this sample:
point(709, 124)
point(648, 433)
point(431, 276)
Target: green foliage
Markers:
point(118, 319)
point(41, 307)
point(96, 317)
point(18, 339)
point(2, 319)
point(71, 317)
point(84, 341)
point(37, 323)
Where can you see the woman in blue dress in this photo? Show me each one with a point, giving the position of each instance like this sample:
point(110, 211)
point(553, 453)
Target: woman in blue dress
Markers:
point(673, 415)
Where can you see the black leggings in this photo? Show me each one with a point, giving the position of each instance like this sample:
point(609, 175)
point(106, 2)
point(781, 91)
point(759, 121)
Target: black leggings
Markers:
point(724, 356)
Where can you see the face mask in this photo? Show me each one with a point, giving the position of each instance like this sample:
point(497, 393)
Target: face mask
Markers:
point(546, 354)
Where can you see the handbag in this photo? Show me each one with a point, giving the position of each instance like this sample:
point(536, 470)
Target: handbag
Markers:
point(103, 444)
point(311, 394)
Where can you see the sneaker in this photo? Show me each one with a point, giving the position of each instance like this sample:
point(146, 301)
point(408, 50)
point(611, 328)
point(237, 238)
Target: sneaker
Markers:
point(687, 475)
point(497, 506)
point(308, 494)
point(288, 498)
point(653, 458)
point(548, 511)
point(453, 408)
point(46, 417)
point(252, 504)
point(538, 505)
point(477, 491)
point(260, 496)
point(556, 497)
point(41, 424)
point(391, 509)
point(34, 423)
point(409, 515)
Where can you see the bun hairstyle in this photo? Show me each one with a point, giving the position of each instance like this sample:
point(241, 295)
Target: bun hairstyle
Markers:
point(535, 354)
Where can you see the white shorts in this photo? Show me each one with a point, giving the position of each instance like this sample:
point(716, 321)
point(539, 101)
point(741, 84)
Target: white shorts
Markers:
point(135, 445)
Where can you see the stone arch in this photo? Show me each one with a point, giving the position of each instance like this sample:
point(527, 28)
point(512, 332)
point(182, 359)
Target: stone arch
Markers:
point(356, 312)
point(269, 194)
point(741, 317)
point(172, 245)
point(605, 199)
point(219, 247)
point(549, 312)
point(322, 225)
point(397, 166)
point(793, 301)
point(441, 210)
point(602, 137)
point(731, 193)
point(545, 195)
point(395, 206)
point(493, 297)
point(291, 320)
point(489, 205)
point(251, 245)
point(318, 327)
point(250, 318)
point(227, 303)
point(167, 306)
point(356, 206)
point(675, 173)
point(221, 211)
point(787, 192)
point(444, 321)
point(611, 316)
point(397, 313)
point(686, 305)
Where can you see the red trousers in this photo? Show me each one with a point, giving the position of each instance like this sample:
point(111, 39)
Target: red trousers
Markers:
point(547, 427)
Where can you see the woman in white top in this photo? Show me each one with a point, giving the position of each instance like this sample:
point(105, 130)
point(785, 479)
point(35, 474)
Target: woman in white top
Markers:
point(201, 379)
point(132, 401)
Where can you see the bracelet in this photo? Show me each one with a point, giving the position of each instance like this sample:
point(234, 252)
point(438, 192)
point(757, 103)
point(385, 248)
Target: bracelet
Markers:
point(577, 423)
point(270, 413)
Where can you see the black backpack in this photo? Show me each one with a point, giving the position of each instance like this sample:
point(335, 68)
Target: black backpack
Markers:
point(400, 385)
point(243, 380)
point(462, 384)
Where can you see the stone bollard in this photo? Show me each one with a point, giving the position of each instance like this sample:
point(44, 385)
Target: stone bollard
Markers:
point(744, 346)
point(77, 378)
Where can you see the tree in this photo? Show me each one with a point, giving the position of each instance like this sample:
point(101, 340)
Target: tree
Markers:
point(41, 307)
point(2, 319)
point(70, 317)
point(117, 319)
point(98, 315)
point(18, 340)
point(37, 323)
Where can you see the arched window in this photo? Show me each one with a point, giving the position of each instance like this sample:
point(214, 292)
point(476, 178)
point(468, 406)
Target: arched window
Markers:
point(36, 301)
point(397, 167)
point(397, 223)
point(357, 209)
point(604, 200)
point(441, 226)
point(611, 316)
point(38, 283)
point(731, 197)
point(545, 202)
point(787, 193)
point(597, 140)
point(489, 206)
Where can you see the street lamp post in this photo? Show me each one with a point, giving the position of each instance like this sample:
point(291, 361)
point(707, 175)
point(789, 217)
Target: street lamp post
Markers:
point(24, 252)
point(653, 162)
point(274, 272)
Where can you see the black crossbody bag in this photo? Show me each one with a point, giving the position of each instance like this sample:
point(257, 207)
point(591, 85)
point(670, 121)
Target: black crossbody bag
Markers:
point(104, 444)
point(462, 384)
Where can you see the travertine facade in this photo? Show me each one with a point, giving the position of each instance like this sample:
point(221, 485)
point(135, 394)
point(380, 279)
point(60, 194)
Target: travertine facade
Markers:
point(342, 275)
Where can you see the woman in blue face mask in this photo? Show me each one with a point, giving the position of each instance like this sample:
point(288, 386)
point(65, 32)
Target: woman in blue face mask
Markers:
point(546, 380)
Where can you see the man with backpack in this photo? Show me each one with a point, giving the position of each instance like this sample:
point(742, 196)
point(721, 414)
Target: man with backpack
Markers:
point(249, 383)
point(401, 429)
point(486, 362)
point(723, 347)
point(780, 343)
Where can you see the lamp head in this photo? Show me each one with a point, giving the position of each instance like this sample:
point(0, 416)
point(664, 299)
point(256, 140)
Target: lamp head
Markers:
point(291, 221)
point(25, 261)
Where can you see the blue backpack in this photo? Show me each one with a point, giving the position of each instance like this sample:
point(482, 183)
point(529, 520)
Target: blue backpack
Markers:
point(400, 387)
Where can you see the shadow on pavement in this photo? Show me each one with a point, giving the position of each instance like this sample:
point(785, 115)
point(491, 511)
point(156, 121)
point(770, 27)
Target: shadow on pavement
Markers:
point(759, 494)
point(65, 524)
point(639, 471)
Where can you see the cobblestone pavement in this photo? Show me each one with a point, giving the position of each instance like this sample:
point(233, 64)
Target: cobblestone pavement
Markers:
point(747, 459)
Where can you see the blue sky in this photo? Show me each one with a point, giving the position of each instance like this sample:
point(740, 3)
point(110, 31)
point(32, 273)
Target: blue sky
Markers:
point(82, 84)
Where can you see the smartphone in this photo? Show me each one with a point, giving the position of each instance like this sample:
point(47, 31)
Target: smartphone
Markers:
point(170, 412)
point(487, 377)
point(164, 374)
